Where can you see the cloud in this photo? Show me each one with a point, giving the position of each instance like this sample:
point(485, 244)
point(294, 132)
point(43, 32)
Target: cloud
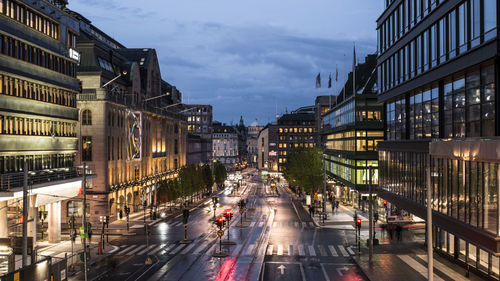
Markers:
point(240, 67)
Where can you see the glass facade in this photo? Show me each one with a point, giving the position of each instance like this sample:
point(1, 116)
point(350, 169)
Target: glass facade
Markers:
point(466, 102)
point(457, 32)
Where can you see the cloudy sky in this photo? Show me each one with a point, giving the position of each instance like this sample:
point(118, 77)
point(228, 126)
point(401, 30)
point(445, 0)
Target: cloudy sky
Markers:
point(243, 57)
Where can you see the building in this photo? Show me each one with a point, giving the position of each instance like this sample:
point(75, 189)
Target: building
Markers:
point(438, 70)
point(253, 143)
point(225, 144)
point(242, 131)
point(193, 153)
point(125, 130)
point(321, 105)
point(292, 131)
point(199, 118)
point(350, 133)
point(38, 114)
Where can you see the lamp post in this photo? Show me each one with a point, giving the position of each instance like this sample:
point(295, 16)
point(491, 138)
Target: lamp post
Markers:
point(324, 188)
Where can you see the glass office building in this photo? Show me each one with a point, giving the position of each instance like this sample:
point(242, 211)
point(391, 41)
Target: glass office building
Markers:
point(438, 70)
point(351, 131)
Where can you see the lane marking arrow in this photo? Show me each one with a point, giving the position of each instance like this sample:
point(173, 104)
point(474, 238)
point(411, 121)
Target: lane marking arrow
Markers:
point(282, 268)
point(340, 269)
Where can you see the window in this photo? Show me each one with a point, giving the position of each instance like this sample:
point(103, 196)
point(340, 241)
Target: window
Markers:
point(75, 209)
point(86, 117)
point(452, 43)
point(86, 148)
point(490, 18)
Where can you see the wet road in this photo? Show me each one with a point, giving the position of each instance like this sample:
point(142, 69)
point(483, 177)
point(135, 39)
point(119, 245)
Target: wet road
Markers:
point(277, 241)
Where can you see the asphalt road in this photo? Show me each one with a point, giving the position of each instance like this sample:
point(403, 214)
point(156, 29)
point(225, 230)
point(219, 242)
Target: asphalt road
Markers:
point(277, 241)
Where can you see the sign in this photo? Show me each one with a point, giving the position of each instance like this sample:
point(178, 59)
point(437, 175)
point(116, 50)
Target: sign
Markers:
point(63, 274)
point(241, 211)
point(272, 144)
point(220, 232)
point(74, 54)
point(83, 235)
point(273, 153)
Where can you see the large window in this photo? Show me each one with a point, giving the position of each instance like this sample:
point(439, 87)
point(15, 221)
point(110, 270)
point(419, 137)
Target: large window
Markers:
point(86, 117)
point(86, 148)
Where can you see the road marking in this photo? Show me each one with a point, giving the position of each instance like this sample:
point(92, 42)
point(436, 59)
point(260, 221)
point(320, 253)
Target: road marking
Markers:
point(322, 250)
point(418, 267)
point(188, 248)
point(115, 248)
point(136, 249)
point(126, 249)
point(237, 249)
point(312, 252)
point(252, 224)
point(250, 250)
point(270, 249)
point(201, 247)
point(280, 250)
point(332, 250)
point(168, 248)
point(443, 268)
point(176, 250)
point(349, 249)
point(301, 250)
point(147, 249)
point(290, 250)
point(261, 224)
point(343, 251)
point(158, 249)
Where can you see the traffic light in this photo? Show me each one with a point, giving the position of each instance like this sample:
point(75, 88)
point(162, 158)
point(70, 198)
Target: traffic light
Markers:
point(228, 215)
point(220, 222)
point(358, 223)
point(385, 203)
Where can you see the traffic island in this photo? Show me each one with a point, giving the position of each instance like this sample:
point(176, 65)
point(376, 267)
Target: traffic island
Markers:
point(220, 255)
point(241, 225)
point(228, 242)
point(185, 241)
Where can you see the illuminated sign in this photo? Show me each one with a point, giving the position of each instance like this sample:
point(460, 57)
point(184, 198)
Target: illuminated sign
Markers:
point(273, 153)
point(74, 54)
point(134, 135)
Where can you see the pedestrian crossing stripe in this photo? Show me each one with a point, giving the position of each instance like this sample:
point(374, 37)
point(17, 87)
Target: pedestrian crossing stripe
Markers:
point(295, 224)
point(188, 248)
point(202, 247)
point(168, 248)
point(158, 249)
point(146, 249)
point(126, 249)
point(136, 249)
point(312, 250)
point(177, 249)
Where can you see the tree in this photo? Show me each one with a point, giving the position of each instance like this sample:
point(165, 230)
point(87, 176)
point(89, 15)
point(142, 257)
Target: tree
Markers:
point(304, 167)
point(220, 173)
point(208, 177)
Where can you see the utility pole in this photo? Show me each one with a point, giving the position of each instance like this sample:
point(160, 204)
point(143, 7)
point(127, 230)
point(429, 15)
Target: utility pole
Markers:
point(25, 215)
point(324, 188)
point(84, 221)
point(430, 257)
point(370, 221)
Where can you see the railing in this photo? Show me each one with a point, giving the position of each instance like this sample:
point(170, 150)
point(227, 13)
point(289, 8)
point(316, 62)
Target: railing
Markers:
point(13, 180)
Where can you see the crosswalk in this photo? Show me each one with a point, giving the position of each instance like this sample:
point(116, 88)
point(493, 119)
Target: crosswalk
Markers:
point(309, 250)
point(294, 224)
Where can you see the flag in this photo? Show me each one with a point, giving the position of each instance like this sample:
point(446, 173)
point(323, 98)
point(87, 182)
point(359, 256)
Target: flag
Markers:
point(330, 81)
point(354, 70)
point(336, 74)
point(318, 81)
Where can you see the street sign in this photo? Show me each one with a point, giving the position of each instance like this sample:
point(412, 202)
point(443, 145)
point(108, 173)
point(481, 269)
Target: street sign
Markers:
point(220, 232)
point(241, 211)
point(83, 235)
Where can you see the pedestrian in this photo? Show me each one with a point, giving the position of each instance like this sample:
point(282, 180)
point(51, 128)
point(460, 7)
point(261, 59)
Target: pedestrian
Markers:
point(90, 235)
point(121, 214)
point(399, 231)
point(337, 206)
point(389, 229)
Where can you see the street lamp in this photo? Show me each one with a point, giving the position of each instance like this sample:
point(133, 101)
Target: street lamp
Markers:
point(110, 81)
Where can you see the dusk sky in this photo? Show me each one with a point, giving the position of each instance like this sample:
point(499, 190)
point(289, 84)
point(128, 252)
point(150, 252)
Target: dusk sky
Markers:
point(243, 57)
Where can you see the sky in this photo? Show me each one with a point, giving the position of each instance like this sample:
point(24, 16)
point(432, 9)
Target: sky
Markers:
point(245, 58)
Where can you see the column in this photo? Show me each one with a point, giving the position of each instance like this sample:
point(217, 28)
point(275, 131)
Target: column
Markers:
point(54, 219)
point(4, 230)
point(32, 218)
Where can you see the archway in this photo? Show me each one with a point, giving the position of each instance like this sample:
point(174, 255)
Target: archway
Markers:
point(112, 210)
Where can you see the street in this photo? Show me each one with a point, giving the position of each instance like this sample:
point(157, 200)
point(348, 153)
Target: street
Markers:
point(277, 241)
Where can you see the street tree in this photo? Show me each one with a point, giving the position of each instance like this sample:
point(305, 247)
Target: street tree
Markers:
point(304, 168)
point(220, 173)
point(208, 177)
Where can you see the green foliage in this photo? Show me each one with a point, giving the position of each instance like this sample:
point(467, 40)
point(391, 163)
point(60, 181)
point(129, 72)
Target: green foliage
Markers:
point(220, 173)
point(208, 177)
point(304, 168)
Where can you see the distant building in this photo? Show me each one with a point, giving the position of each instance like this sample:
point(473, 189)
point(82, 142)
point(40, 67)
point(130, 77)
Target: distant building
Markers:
point(252, 143)
point(292, 131)
point(225, 144)
point(194, 153)
point(199, 118)
point(321, 105)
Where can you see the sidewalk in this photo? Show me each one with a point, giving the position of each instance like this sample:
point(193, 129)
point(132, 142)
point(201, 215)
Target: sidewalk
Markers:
point(394, 259)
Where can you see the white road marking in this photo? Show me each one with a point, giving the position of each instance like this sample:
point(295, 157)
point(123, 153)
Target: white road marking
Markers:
point(147, 249)
point(332, 250)
point(301, 250)
point(418, 267)
point(168, 248)
point(349, 249)
point(290, 250)
point(158, 249)
point(136, 249)
point(201, 247)
point(126, 249)
point(312, 252)
point(322, 250)
point(250, 250)
point(443, 268)
point(252, 224)
point(343, 251)
point(188, 248)
point(270, 249)
point(280, 250)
